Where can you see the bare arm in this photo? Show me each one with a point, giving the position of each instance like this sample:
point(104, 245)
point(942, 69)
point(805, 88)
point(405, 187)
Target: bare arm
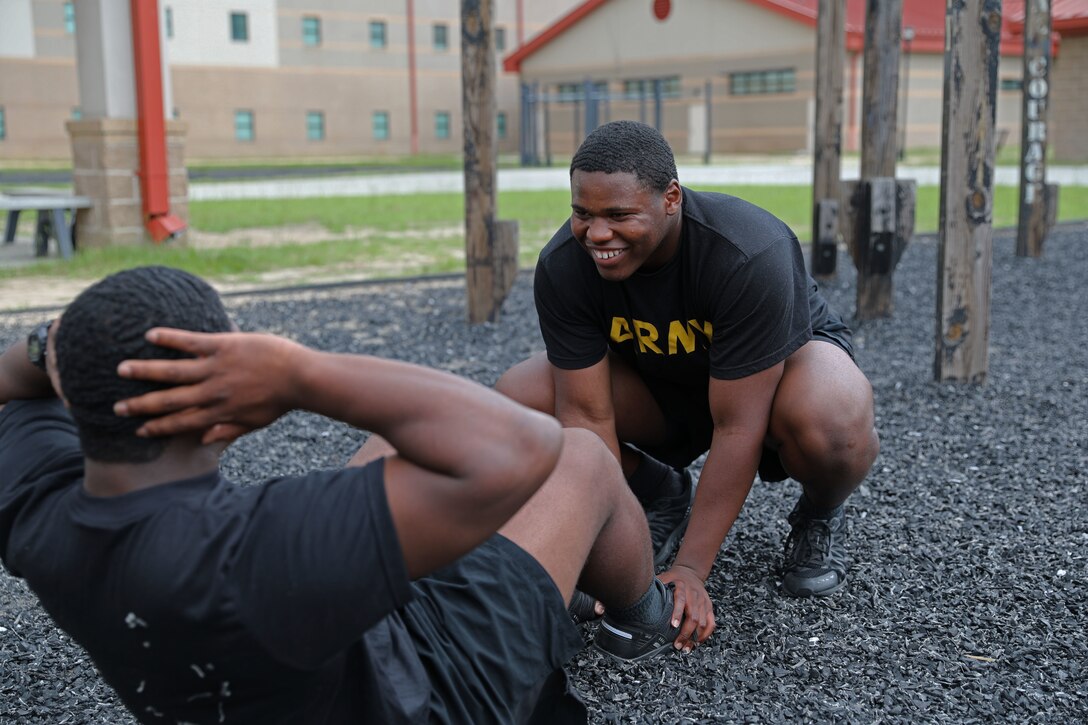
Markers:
point(583, 399)
point(468, 458)
point(741, 411)
point(19, 379)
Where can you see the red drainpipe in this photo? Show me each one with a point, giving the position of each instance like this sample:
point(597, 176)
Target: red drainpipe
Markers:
point(412, 110)
point(521, 24)
point(154, 171)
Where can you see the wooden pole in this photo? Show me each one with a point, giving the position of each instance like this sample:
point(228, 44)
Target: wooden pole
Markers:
point(880, 90)
point(1035, 195)
point(827, 154)
point(490, 245)
point(965, 246)
point(876, 246)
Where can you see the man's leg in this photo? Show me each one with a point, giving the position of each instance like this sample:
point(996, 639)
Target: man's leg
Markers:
point(664, 491)
point(822, 424)
point(599, 543)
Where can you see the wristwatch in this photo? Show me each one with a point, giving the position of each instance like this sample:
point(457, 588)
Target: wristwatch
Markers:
point(36, 344)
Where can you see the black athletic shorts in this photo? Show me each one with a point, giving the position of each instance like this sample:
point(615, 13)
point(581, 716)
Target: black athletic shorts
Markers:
point(687, 414)
point(493, 633)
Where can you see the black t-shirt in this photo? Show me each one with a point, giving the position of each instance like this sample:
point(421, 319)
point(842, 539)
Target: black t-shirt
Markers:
point(202, 601)
point(735, 299)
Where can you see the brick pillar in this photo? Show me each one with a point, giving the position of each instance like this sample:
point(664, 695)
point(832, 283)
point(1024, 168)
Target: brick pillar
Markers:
point(105, 162)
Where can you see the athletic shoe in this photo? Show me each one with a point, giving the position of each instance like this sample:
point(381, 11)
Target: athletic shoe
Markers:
point(631, 641)
point(815, 558)
point(668, 519)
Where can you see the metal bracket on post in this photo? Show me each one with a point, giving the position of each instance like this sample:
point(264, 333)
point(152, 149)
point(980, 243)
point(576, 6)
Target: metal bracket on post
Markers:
point(880, 248)
point(825, 247)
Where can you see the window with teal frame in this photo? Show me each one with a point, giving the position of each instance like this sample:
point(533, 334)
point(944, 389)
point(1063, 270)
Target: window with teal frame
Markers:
point(243, 126)
point(239, 27)
point(500, 124)
point(3, 124)
point(442, 124)
point(315, 126)
point(377, 34)
point(762, 82)
point(70, 17)
point(311, 31)
point(441, 36)
point(380, 123)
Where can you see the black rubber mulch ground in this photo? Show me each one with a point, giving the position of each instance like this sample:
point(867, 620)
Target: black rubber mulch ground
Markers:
point(967, 598)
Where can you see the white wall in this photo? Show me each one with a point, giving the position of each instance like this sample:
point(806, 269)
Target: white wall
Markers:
point(202, 33)
point(16, 29)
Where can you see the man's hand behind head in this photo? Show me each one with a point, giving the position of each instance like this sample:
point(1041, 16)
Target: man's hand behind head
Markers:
point(234, 383)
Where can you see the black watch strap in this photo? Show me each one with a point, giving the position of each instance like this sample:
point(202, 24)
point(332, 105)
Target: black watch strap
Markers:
point(36, 344)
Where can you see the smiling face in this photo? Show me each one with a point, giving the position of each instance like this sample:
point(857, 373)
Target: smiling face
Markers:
point(624, 225)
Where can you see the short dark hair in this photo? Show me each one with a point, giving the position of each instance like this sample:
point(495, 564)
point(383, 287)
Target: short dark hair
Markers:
point(631, 147)
point(105, 325)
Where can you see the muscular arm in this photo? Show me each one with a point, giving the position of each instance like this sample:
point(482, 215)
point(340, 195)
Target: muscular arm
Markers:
point(583, 399)
point(467, 457)
point(19, 379)
point(741, 412)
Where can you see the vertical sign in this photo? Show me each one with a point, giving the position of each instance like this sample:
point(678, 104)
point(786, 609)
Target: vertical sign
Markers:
point(965, 244)
point(1035, 197)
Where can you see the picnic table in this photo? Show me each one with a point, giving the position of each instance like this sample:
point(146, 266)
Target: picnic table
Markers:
point(52, 207)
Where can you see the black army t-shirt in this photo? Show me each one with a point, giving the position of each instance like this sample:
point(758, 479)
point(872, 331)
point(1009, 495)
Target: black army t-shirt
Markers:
point(735, 299)
point(205, 602)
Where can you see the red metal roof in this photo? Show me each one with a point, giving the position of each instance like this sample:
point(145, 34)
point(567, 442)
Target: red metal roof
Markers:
point(926, 17)
point(1067, 16)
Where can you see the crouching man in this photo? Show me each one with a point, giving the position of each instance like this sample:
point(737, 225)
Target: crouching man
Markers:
point(426, 581)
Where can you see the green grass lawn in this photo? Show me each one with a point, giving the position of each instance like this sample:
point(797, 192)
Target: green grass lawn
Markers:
point(391, 236)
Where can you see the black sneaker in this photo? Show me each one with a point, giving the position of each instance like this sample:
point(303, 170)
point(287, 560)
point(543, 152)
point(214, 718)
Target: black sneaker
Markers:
point(634, 642)
point(668, 519)
point(815, 558)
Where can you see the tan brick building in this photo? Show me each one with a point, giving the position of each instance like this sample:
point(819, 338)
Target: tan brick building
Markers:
point(750, 65)
point(274, 78)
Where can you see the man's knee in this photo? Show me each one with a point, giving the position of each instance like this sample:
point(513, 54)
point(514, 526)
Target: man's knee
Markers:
point(529, 382)
point(588, 464)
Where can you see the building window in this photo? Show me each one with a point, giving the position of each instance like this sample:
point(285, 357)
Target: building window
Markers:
point(168, 19)
point(3, 124)
point(77, 113)
point(500, 124)
point(70, 17)
point(576, 92)
point(239, 27)
point(762, 82)
point(243, 126)
point(315, 125)
point(441, 36)
point(442, 124)
point(377, 34)
point(500, 39)
point(380, 124)
point(644, 87)
point(1012, 84)
point(311, 30)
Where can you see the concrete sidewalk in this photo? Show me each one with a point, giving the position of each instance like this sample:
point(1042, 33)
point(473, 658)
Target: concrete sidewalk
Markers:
point(557, 178)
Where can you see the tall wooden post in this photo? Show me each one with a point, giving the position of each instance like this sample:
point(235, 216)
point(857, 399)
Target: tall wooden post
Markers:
point(877, 247)
point(490, 245)
point(1038, 200)
point(827, 159)
point(965, 247)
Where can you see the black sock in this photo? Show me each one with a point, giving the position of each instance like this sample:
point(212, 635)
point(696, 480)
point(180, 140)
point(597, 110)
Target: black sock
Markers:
point(647, 610)
point(653, 479)
point(815, 512)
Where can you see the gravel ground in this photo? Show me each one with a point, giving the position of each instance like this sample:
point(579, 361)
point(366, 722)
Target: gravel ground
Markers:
point(968, 589)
